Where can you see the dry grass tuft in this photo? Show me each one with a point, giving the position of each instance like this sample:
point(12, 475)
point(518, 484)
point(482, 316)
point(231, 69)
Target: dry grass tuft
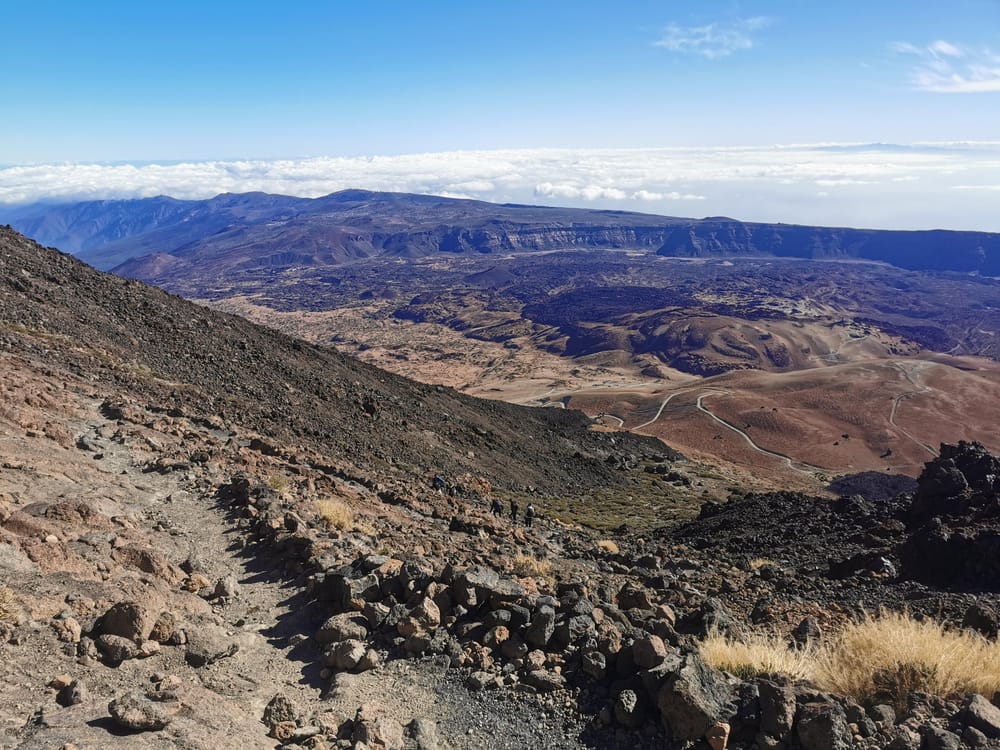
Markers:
point(8, 605)
point(883, 659)
point(279, 484)
point(608, 546)
point(756, 654)
point(889, 657)
point(530, 566)
point(759, 562)
point(335, 514)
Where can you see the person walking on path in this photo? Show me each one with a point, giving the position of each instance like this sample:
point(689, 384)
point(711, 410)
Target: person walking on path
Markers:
point(513, 510)
point(529, 515)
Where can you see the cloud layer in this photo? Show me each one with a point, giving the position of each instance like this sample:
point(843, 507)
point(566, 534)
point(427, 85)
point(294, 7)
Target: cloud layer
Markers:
point(880, 185)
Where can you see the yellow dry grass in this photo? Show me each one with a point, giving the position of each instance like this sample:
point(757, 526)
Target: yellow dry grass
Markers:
point(608, 546)
point(279, 484)
point(888, 657)
point(530, 566)
point(758, 653)
point(335, 514)
point(8, 605)
point(883, 659)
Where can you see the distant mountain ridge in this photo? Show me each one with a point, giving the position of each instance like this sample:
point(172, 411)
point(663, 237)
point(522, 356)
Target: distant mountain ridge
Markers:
point(154, 239)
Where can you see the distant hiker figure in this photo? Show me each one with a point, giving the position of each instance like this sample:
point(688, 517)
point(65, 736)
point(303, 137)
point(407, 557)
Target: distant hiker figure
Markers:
point(497, 507)
point(439, 484)
point(529, 515)
point(513, 510)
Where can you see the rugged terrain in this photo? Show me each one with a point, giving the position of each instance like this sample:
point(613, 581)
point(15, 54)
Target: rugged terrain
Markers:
point(232, 232)
point(213, 535)
point(734, 342)
point(730, 361)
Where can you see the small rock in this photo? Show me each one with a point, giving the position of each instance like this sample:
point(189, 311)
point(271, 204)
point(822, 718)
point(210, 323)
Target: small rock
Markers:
point(116, 648)
point(629, 709)
point(342, 627)
point(823, 726)
point(649, 652)
point(164, 627)
point(227, 588)
point(481, 680)
point(940, 739)
point(68, 630)
point(423, 733)
point(74, 693)
point(718, 736)
point(207, 644)
point(377, 731)
point(279, 708)
point(982, 715)
point(545, 680)
point(127, 619)
point(137, 713)
point(345, 655)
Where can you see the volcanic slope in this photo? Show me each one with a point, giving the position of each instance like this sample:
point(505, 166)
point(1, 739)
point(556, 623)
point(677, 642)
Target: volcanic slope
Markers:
point(209, 365)
point(129, 422)
point(186, 562)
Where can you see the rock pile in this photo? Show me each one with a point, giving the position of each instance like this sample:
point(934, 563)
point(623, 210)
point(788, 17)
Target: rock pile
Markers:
point(623, 641)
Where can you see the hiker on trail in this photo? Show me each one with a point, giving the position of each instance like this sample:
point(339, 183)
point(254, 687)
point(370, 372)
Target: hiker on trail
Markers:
point(513, 510)
point(439, 484)
point(497, 507)
point(529, 515)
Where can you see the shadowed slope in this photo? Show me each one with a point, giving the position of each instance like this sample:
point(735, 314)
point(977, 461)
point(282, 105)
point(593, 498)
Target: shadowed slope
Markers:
point(213, 365)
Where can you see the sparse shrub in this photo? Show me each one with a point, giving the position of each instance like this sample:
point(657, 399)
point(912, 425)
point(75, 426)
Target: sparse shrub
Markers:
point(8, 605)
point(759, 562)
point(530, 566)
point(883, 659)
point(335, 514)
point(279, 484)
point(889, 657)
point(608, 547)
point(759, 653)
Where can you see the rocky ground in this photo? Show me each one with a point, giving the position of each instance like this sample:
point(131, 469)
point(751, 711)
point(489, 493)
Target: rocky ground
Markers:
point(195, 561)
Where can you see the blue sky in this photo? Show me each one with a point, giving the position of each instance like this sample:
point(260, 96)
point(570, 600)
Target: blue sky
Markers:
point(110, 82)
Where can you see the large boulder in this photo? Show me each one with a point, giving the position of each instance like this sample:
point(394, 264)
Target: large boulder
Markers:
point(823, 726)
point(543, 625)
point(693, 699)
point(982, 715)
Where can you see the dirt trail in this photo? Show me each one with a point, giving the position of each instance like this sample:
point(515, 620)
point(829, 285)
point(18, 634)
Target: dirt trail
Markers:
point(106, 463)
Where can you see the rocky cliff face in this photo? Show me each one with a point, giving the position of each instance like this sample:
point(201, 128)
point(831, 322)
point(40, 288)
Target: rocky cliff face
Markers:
point(965, 252)
point(239, 232)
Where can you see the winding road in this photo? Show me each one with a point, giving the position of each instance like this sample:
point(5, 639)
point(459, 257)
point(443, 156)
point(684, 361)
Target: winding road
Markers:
point(896, 401)
point(699, 404)
point(774, 454)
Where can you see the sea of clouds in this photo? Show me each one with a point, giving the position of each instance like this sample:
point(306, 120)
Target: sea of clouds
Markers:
point(916, 186)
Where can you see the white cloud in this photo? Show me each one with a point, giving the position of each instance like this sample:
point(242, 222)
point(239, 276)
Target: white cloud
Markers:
point(713, 40)
point(889, 185)
point(942, 47)
point(948, 68)
point(647, 195)
point(586, 192)
point(848, 181)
